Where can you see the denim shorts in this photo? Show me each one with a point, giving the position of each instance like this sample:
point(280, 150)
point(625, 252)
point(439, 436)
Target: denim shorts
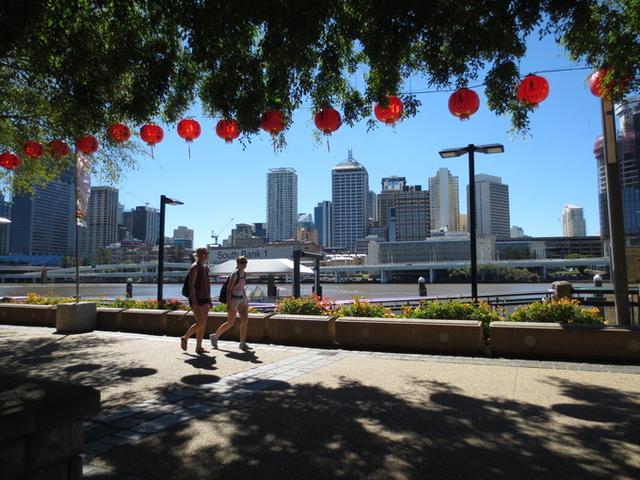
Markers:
point(237, 301)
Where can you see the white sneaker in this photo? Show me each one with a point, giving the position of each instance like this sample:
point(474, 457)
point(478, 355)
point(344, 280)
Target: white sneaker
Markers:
point(244, 346)
point(214, 340)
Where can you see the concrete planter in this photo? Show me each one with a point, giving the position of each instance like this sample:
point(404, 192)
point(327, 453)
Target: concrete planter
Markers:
point(416, 335)
point(178, 323)
point(109, 318)
point(305, 330)
point(33, 315)
point(76, 317)
point(144, 321)
point(257, 331)
point(573, 342)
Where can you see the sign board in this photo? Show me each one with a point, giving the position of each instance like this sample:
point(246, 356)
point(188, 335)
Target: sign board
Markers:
point(219, 254)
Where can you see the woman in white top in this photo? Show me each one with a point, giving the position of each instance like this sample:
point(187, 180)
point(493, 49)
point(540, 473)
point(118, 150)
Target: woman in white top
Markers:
point(237, 303)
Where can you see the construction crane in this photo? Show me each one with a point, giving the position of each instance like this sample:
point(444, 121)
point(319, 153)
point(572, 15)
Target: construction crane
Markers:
point(215, 235)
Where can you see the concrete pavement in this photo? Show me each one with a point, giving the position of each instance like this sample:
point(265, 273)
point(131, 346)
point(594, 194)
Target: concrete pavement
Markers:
point(292, 412)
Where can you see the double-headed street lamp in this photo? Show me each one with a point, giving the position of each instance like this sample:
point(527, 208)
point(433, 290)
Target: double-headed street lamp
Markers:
point(470, 150)
point(164, 200)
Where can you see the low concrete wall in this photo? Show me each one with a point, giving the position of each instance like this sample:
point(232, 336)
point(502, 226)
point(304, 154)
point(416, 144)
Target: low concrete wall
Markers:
point(144, 321)
point(257, 331)
point(76, 317)
point(41, 427)
point(417, 335)
point(178, 323)
point(34, 315)
point(559, 341)
point(302, 330)
point(109, 318)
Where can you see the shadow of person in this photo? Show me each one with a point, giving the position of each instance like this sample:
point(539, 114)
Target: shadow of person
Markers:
point(248, 356)
point(203, 362)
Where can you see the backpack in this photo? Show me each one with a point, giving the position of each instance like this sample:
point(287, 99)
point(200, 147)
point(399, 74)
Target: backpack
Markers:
point(222, 298)
point(185, 287)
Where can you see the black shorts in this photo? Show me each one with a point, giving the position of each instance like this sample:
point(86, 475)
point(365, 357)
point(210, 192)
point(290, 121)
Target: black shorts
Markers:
point(201, 301)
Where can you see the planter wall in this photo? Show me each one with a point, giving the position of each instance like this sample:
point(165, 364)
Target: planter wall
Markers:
point(76, 317)
point(429, 336)
point(109, 318)
point(572, 342)
point(257, 331)
point(33, 315)
point(311, 330)
point(144, 321)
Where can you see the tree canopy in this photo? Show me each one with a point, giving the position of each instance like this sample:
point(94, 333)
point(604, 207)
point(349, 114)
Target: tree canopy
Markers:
point(70, 67)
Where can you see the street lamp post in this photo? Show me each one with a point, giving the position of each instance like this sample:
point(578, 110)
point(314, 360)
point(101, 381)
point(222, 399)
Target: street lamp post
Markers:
point(470, 151)
point(164, 200)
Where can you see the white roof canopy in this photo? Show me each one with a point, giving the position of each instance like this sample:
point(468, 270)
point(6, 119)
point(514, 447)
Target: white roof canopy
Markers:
point(264, 266)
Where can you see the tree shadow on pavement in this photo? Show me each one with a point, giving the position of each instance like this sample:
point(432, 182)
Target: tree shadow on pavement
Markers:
point(360, 431)
point(82, 359)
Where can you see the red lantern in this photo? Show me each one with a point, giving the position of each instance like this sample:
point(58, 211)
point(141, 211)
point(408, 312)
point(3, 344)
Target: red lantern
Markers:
point(228, 130)
point(463, 103)
point(328, 121)
point(272, 121)
point(59, 149)
point(119, 132)
point(151, 134)
point(532, 90)
point(33, 149)
point(189, 129)
point(595, 81)
point(9, 160)
point(391, 113)
point(87, 144)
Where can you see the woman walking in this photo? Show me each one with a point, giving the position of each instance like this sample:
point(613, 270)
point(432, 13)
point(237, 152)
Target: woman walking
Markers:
point(199, 299)
point(237, 302)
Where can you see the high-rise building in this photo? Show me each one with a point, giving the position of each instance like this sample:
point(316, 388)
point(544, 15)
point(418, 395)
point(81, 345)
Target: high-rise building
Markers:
point(43, 223)
point(393, 183)
point(573, 224)
point(492, 206)
point(372, 206)
point(102, 220)
point(322, 215)
point(628, 143)
point(260, 229)
point(445, 201)
point(349, 190)
point(405, 213)
point(146, 224)
point(183, 236)
point(5, 227)
point(516, 232)
point(282, 203)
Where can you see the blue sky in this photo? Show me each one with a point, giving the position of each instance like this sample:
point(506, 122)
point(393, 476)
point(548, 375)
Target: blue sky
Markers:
point(549, 167)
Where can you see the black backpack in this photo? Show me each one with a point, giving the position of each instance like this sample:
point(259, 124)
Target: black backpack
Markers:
point(222, 298)
point(185, 287)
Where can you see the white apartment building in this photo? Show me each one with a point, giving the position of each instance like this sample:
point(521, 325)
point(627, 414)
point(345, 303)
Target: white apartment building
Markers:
point(282, 204)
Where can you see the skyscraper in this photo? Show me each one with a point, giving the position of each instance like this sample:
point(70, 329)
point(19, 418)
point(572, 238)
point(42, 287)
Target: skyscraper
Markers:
point(102, 220)
point(282, 203)
point(629, 167)
point(492, 207)
point(444, 201)
point(322, 215)
point(5, 228)
point(43, 222)
point(372, 205)
point(405, 213)
point(146, 224)
point(573, 224)
point(183, 236)
point(349, 190)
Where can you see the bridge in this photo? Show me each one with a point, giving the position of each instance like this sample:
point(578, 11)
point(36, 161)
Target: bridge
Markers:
point(147, 271)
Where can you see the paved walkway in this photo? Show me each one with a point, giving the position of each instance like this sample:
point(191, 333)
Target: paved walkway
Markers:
point(288, 412)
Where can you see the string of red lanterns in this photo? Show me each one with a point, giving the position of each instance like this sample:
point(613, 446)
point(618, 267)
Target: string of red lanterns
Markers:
point(464, 102)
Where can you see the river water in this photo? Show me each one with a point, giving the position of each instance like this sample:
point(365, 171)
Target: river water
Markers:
point(340, 291)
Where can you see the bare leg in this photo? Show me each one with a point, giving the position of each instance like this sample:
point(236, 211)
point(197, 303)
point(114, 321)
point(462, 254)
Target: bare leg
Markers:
point(231, 319)
point(201, 313)
point(243, 309)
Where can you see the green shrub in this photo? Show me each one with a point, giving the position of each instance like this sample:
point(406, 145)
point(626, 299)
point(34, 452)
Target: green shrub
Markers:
point(454, 310)
point(363, 308)
point(564, 310)
point(147, 304)
point(310, 305)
